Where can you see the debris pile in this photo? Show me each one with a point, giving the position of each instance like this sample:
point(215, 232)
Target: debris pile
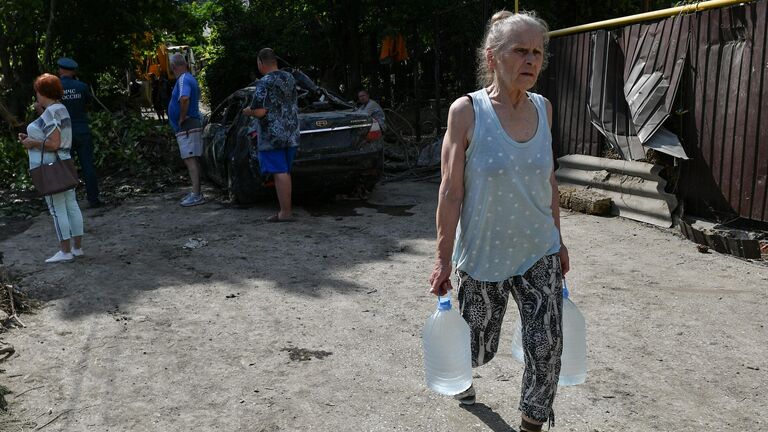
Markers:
point(12, 302)
point(739, 237)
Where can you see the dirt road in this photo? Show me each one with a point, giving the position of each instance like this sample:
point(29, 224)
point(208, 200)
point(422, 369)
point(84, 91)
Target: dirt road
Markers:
point(315, 325)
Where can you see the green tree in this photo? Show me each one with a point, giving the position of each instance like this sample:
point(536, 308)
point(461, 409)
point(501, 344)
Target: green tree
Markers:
point(102, 35)
point(20, 23)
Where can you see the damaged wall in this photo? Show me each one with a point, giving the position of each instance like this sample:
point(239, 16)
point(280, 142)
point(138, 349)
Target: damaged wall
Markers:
point(565, 83)
point(635, 75)
point(718, 57)
point(726, 126)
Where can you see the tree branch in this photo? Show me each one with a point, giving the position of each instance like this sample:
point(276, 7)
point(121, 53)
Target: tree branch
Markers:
point(49, 33)
point(7, 116)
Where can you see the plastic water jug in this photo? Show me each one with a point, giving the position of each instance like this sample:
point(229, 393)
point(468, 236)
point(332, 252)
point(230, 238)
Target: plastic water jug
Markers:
point(447, 356)
point(573, 369)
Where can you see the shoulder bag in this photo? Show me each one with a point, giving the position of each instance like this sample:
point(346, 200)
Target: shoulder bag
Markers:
point(57, 176)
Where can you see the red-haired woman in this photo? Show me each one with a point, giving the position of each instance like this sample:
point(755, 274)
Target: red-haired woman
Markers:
point(51, 133)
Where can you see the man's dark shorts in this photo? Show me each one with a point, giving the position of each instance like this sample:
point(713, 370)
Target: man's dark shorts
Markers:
point(277, 161)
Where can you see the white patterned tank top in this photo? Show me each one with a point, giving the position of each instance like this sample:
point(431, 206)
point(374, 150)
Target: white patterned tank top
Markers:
point(506, 222)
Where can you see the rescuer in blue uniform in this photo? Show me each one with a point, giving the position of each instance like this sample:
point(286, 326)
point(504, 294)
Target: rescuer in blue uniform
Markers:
point(77, 94)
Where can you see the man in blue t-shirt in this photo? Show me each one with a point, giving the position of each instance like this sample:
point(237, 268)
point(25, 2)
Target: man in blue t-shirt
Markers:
point(275, 104)
point(184, 117)
point(76, 97)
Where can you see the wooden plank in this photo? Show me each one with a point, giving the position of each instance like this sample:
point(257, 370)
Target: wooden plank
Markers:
point(702, 107)
point(623, 122)
point(562, 85)
point(731, 63)
point(548, 82)
point(583, 75)
point(759, 205)
point(720, 89)
point(568, 77)
point(741, 197)
point(576, 91)
point(680, 33)
point(595, 146)
point(712, 68)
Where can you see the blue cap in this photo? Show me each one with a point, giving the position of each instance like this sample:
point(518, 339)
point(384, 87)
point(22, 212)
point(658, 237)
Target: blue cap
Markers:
point(444, 302)
point(566, 294)
point(67, 63)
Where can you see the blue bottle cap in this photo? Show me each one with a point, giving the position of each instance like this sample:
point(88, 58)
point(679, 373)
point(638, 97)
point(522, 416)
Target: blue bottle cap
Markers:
point(444, 303)
point(565, 290)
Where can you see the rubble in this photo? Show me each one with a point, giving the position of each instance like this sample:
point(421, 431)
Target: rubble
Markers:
point(725, 238)
point(585, 201)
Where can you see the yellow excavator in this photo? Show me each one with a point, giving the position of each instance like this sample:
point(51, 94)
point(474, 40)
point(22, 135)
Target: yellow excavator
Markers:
point(153, 80)
point(158, 64)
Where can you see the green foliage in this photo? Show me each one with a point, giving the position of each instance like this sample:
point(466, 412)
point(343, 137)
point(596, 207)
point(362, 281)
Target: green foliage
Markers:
point(122, 143)
point(104, 36)
point(128, 142)
point(14, 164)
point(230, 54)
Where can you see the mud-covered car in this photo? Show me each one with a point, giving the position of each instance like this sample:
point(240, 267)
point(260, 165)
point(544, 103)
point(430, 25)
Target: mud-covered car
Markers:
point(339, 149)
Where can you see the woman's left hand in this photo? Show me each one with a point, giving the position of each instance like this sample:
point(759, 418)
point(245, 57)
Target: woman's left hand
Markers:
point(565, 263)
point(28, 143)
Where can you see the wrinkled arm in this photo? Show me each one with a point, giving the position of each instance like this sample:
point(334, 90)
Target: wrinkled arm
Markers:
point(451, 196)
point(564, 258)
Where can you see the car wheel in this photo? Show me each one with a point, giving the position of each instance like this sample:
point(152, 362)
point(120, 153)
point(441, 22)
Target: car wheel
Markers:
point(245, 185)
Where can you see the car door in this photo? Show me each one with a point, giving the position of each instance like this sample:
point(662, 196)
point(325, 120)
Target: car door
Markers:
point(217, 137)
point(214, 141)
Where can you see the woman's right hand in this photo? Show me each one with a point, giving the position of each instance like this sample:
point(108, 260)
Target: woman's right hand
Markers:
point(22, 137)
point(440, 280)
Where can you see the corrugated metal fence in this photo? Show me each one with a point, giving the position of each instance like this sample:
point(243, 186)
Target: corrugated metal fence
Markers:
point(721, 109)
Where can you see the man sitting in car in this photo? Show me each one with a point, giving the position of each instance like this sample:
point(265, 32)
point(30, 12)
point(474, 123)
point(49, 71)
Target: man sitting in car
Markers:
point(370, 107)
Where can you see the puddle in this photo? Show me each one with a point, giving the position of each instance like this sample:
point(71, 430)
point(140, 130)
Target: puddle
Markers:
point(349, 208)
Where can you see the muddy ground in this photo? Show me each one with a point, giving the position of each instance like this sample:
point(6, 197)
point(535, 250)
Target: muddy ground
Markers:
point(315, 325)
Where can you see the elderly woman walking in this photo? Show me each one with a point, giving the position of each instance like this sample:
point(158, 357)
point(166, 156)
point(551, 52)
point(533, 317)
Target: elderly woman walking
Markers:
point(51, 133)
point(498, 216)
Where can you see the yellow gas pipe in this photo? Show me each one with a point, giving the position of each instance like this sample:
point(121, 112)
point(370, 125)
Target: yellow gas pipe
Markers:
point(647, 16)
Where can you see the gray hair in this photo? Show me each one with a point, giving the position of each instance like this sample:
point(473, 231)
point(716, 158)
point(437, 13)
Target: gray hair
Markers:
point(178, 60)
point(497, 39)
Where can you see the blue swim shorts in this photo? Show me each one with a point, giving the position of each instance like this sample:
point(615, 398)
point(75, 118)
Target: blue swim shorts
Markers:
point(276, 161)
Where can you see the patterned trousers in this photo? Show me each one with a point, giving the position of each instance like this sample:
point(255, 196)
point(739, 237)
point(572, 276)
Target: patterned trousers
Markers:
point(539, 297)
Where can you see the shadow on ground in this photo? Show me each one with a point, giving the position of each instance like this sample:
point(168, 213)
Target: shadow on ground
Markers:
point(490, 417)
point(139, 247)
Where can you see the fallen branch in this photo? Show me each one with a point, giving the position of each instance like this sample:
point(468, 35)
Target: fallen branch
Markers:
point(14, 316)
point(27, 391)
point(55, 418)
